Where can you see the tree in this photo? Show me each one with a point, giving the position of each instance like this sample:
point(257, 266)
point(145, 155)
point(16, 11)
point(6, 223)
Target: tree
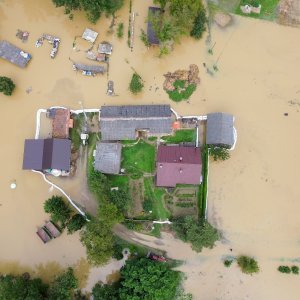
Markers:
point(121, 199)
point(162, 3)
point(63, 286)
point(247, 264)
point(284, 269)
point(7, 86)
point(219, 153)
point(198, 232)
point(22, 287)
point(98, 239)
point(295, 270)
point(105, 292)
point(120, 30)
point(136, 85)
point(98, 184)
point(148, 280)
point(58, 209)
point(199, 24)
point(93, 8)
point(76, 223)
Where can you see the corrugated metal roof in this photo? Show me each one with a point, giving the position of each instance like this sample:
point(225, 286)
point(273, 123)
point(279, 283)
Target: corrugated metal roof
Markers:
point(13, 54)
point(108, 158)
point(135, 111)
point(178, 165)
point(151, 35)
point(219, 129)
point(45, 154)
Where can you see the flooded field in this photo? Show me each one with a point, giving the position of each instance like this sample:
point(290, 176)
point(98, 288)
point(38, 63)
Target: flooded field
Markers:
point(253, 197)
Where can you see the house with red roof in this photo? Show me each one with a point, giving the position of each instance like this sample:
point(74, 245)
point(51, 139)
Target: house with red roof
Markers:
point(178, 165)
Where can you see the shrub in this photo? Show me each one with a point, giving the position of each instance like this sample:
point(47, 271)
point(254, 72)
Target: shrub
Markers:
point(295, 269)
point(120, 198)
point(7, 86)
point(58, 209)
point(120, 30)
point(136, 226)
point(105, 292)
point(144, 38)
point(219, 153)
point(284, 269)
point(147, 205)
point(181, 92)
point(228, 262)
point(136, 85)
point(199, 24)
point(247, 264)
point(76, 223)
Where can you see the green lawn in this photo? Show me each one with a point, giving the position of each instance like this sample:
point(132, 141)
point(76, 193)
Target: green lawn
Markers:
point(268, 9)
point(138, 159)
point(202, 193)
point(183, 135)
point(118, 181)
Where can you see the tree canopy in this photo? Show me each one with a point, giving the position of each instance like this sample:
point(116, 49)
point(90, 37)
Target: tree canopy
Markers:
point(105, 292)
point(76, 223)
point(149, 280)
point(93, 8)
point(63, 286)
point(7, 86)
point(58, 209)
point(198, 232)
point(136, 84)
point(121, 199)
point(247, 264)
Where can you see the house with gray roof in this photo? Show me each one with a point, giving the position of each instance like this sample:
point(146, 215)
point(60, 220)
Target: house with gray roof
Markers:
point(47, 154)
point(130, 121)
point(14, 54)
point(108, 158)
point(220, 130)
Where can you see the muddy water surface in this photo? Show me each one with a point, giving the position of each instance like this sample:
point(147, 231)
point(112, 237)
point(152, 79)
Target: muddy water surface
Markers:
point(253, 197)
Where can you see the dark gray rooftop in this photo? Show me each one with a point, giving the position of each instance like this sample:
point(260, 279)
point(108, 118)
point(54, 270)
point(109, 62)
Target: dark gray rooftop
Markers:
point(135, 111)
point(122, 122)
point(43, 154)
point(108, 158)
point(13, 54)
point(89, 68)
point(152, 38)
point(219, 129)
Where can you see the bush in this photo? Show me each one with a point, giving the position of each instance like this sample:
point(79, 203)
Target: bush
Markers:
point(105, 292)
point(219, 153)
point(76, 223)
point(121, 199)
point(132, 225)
point(199, 24)
point(295, 270)
point(7, 86)
point(136, 85)
point(120, 30)
point(144, 38)
point(58, 209)
point(228, 262)
point(147, 205)
point(247, 264)
point(181, 92)
point(284, 269)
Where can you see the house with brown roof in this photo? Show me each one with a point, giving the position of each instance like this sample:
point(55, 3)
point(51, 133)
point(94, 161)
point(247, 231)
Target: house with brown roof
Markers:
point(61, 123)
point(178, 165)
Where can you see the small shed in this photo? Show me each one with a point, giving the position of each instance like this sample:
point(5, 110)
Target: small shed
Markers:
point(220, 130)
point(90, 35)
point(52, 229)
point(105, 48)
point(151, 35)
point(14, 54)
point(108, 158)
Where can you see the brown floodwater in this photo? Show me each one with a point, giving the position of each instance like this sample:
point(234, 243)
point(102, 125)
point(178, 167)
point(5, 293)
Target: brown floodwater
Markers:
point(253, 197)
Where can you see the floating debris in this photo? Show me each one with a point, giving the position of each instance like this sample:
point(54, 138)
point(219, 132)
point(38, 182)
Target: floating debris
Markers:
point(22, 35)
point(55, 41)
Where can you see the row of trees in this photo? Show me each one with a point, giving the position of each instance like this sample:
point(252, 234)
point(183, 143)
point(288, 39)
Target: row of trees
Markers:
point(23, 287)
point(141, 279)
point(93, 8)
point(179, 17)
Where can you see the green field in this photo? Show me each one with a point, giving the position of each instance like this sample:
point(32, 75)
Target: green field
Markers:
point(183, 135)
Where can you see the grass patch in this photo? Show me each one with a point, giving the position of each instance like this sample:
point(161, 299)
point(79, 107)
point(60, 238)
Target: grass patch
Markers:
point(152, 138)
point(76, 130)
point(202, 192)
point(268, 9)
point(184, 135)
point(118, 181)
point(181, 92)
point(138, 159)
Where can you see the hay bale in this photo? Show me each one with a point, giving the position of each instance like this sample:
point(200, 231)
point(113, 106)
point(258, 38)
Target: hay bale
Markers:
point(222, 19)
